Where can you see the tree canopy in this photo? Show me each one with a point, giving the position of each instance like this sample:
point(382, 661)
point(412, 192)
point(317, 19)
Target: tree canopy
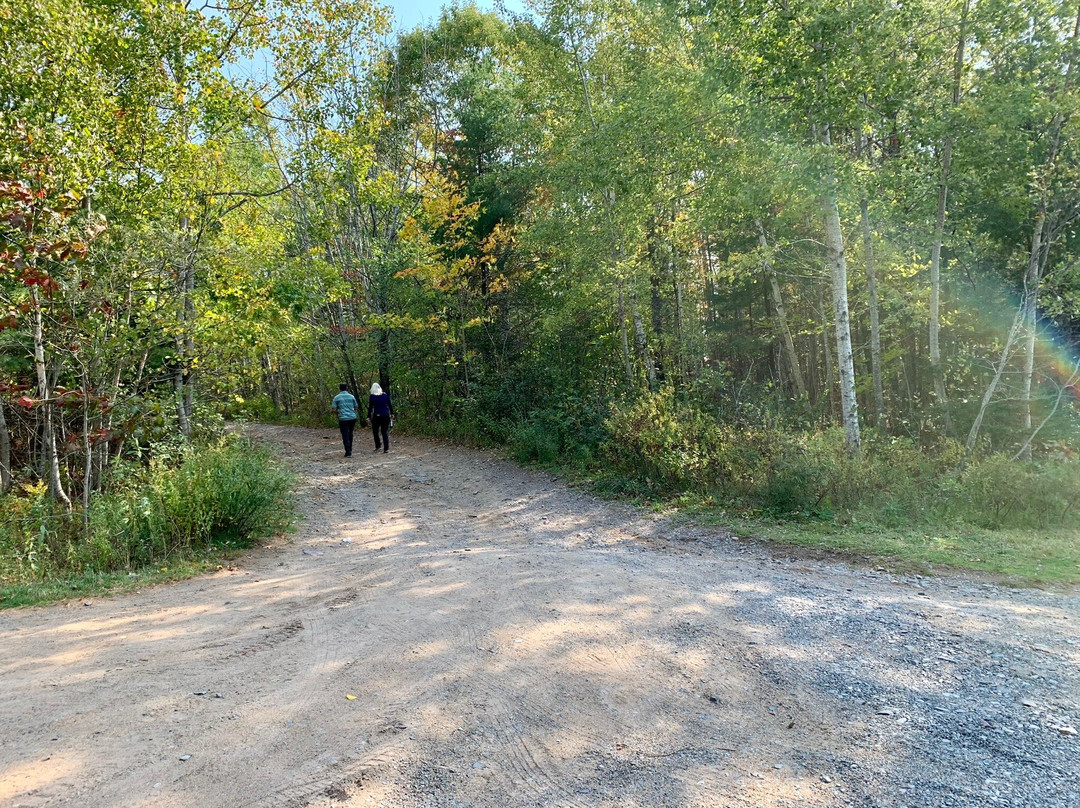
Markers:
point(555, 230)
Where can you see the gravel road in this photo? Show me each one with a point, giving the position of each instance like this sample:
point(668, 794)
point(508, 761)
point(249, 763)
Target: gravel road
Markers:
point(447, 629)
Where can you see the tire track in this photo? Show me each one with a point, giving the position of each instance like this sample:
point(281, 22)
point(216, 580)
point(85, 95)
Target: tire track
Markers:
point(510, 644)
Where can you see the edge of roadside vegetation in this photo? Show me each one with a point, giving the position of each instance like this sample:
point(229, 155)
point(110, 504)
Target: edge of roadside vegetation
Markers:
point(191, 509)
point(898, 503)
point(1042, 557)
point(179, 513)
point(1045, 559)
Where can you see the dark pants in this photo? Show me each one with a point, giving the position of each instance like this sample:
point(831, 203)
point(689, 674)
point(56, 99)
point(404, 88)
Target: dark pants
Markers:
point(381, 424)
point(347, 428)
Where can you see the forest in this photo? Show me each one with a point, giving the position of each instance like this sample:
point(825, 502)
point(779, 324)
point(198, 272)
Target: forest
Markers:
point(785, 260)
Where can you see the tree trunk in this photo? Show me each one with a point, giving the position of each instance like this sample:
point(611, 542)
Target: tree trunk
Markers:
point(1032, 277)
point(383, 350)
point(270, 379)
point(834, 243)
point(781, 313)
point(830, 387)
point(939, 234)
point(642, 344)
point(343, 344)
point(1025, 313)
point(679, 353)
point(185, 342)
point(88, 459)
point(48, 437)
point(973, 433)
point(657, 301)
point(680, 349)
point(1074, 377)
point(178, 390)
point(624, 338)
point(875, 316)
point(1040, 248)
point(5, 453)
point(814, 375)
point(609, 208)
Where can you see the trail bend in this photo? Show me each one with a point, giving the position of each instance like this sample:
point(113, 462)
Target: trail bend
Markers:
point(509, 641)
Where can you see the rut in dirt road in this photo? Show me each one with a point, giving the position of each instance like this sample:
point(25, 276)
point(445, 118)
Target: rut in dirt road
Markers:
point(446, 629)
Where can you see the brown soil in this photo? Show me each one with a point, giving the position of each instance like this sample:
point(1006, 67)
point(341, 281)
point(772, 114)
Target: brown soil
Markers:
point(449, 629)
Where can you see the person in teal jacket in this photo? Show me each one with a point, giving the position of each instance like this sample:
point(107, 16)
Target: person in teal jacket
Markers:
point(344, 407)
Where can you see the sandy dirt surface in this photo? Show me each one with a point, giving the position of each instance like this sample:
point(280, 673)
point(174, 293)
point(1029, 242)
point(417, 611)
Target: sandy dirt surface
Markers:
point(446, 629)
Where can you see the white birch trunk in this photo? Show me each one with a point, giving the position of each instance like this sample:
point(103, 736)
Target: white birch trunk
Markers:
point(1032, 277)
point(1026, 305)
point(988, 394)
point(845, 360)
point(48, 436)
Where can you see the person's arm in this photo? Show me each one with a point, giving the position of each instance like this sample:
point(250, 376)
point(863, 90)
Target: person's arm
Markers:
point(370, 407)
point(390, 404)
point(333, 406)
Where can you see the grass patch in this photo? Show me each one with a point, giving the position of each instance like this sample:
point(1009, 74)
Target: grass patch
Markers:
point(94, 584)
point(1044, 557)
point(171, 518)
point(1028, 557)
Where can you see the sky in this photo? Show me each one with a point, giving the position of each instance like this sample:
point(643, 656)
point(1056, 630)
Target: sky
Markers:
point(410, 13)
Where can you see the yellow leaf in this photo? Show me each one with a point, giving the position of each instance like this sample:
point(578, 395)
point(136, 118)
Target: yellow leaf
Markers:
point(350, 697)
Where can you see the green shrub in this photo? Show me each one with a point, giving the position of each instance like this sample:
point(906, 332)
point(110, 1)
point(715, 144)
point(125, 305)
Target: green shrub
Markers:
point(998, 492)
point(533, 442)
point(677, 447)
point(36, 534)
point(259, 407)
point(793, 485)
point(227, 495)
point(570, 430)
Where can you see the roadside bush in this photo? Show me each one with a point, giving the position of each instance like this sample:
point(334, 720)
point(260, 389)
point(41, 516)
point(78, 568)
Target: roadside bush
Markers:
point(259, 407)
point(998, 492)
point(228, 494)
point(890, 482)
point(36, 536)
point(533, 442)
point(793, 483)
point(570, 430)
point(673, 447)
point(677, 447)
point(661, 444)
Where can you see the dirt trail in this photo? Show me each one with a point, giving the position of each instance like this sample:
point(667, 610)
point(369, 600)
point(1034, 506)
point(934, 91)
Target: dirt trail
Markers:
point(510, 642)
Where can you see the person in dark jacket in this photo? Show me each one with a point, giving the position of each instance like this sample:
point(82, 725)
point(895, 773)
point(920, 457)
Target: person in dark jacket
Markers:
point(381, 411)
point(345, 406)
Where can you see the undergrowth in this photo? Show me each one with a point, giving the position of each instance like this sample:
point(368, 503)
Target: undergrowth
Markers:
point(180, 508)
point(914, 504)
